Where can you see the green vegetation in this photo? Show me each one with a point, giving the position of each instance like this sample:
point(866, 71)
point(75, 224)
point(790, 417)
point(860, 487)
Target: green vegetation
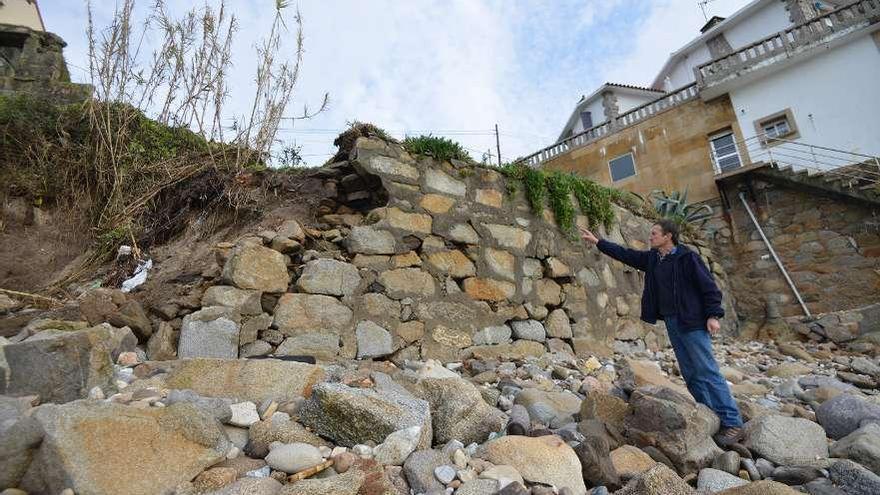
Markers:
point(675, 207)
point(356, 129)
point(55, 155)
point(557, 188)
point(441, 148)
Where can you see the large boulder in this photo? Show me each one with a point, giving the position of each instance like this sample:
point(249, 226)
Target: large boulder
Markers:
point(419, 469)
point(245, 379)
point(282, 430)
point(351, 416)
point(635, 373)
point(844, 414)
point(786, 441)
point(547, 459)
point(116, 308)
point(95, 447)
point(765, 487)
point(459, 411)
point(246, 302)
point(369, 240)
point(596, 464)
point(256, 267)
point(674, 423)
point(853, 478)
point(20, 435)
point(862, 446)
point(329, 277)
point(715, 480)
point(211, 332)
point(298, 314)
point(63, 366)
point(601, 405)
point(659, 480)
point(554, 409)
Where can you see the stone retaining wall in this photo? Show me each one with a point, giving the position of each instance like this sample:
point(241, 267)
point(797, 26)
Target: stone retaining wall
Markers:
point(830, 247)
point(419, 259)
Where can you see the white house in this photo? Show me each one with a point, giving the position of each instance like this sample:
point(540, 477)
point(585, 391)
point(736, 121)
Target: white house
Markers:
point(801, 76)
point(609, 101)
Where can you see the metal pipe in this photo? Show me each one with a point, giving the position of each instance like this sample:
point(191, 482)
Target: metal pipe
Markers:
point(742, 197)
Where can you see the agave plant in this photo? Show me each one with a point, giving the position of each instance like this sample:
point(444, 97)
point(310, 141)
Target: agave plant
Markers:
point(674, 206)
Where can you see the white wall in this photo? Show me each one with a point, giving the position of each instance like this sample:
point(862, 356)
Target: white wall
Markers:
point(682, 73)
point(833, 97)
point(767, 20)
point(627, 101)
point(20, 13)
point(594, 106)
point(770, 18)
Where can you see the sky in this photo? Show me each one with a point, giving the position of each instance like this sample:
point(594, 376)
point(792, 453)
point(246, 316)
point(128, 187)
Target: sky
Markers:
point(452, 68)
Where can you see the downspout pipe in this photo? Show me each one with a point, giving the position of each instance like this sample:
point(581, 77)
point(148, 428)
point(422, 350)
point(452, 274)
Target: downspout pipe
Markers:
point(742, 197)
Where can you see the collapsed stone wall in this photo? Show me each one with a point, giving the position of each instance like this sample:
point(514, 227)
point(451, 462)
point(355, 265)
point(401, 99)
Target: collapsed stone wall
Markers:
point(831, 249)
point(418, 259)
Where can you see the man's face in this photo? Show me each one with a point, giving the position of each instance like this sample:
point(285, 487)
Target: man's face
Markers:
point(658, 238)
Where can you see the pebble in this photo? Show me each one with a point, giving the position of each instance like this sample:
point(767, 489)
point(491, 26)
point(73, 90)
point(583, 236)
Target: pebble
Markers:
point(364, 451)
point(444, 474)
point(293, 457)
point(244, 414)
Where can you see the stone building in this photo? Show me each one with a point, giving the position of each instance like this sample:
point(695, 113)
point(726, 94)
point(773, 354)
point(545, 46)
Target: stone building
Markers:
point(771, 113)
point(31, 59)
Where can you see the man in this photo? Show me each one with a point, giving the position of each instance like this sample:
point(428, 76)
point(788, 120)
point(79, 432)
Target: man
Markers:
point(680, 291)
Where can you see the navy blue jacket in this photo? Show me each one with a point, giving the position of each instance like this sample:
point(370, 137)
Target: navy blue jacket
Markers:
point(697, 298)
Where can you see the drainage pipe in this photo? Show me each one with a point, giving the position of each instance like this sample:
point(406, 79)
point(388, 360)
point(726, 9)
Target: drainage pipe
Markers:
point(742, 197)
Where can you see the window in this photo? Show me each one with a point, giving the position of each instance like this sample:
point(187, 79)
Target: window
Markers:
point(776, 128)
point(724, 152)
point(587, 120)
point(622, 167)
point(780, 125)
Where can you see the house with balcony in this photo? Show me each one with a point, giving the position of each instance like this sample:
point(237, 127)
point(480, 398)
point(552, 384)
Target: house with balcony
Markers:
point(772, 116)
point(789, 76)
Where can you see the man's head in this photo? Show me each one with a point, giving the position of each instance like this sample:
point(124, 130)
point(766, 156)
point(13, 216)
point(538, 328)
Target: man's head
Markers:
point(664, 233)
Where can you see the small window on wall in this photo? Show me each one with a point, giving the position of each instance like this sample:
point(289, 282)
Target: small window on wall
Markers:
point(622, 167)
point(724, 151)
point(776, 127)
point(587, 120)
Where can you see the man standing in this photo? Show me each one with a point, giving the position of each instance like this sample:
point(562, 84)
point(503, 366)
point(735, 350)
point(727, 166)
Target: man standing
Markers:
point(680, 291)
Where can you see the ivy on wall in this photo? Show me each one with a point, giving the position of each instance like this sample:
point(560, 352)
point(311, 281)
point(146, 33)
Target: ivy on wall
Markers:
point(561, 190)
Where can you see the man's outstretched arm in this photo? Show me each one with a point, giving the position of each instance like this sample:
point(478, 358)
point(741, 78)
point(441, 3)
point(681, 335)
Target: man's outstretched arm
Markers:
point(632, 257)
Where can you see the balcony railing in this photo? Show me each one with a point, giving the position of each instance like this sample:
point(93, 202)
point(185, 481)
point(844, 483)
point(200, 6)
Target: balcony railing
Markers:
point(631, 117)
point(812, 159)
point(786, 43)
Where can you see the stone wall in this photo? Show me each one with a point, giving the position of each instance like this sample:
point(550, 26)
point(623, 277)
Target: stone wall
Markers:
point(670, 150)
point(33, 62)
point(830, 247)
point(419, 259)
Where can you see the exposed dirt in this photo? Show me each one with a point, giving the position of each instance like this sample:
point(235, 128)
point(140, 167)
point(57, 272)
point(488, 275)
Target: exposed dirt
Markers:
point(38, 246)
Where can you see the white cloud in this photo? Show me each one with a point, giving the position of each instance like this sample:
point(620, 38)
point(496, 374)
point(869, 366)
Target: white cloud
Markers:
point(446, 64)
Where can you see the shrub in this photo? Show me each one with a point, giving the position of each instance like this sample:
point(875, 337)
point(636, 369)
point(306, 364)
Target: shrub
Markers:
point(441, 148)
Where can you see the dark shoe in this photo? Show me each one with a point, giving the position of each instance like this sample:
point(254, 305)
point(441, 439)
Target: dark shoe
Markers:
point(728, 436)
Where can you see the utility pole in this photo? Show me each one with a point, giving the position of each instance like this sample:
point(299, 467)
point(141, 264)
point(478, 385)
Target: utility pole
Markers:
point(498, 144)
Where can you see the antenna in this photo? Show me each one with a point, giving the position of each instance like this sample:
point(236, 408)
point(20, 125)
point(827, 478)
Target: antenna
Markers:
point(703, 4)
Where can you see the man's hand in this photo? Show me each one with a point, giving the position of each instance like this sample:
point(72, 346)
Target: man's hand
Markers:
point(713, 325)
point(588, 236)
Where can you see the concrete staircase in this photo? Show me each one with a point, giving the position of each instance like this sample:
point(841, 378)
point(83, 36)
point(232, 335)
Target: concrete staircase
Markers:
point(857, 182)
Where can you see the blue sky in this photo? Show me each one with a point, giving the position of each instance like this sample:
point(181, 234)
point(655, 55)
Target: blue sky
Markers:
point(413, 66)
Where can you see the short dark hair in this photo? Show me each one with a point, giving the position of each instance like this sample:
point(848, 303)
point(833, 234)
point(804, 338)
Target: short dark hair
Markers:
point(669, 227)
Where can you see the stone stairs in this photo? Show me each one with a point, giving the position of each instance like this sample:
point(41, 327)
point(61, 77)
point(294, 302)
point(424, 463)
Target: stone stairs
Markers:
point(859, 182)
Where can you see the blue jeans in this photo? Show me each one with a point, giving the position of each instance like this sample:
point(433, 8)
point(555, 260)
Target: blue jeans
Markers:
point(693, 349)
